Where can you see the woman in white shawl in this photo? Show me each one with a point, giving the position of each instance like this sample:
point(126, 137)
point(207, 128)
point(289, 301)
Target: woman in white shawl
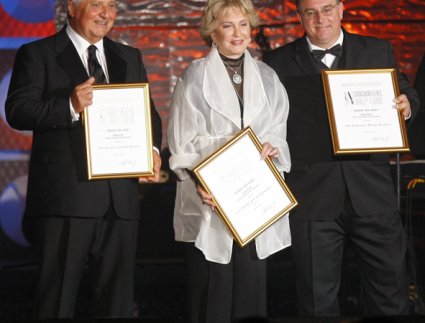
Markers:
point(216, 97)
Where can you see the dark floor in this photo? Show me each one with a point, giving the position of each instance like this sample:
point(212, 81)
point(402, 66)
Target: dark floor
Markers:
point(160, 271)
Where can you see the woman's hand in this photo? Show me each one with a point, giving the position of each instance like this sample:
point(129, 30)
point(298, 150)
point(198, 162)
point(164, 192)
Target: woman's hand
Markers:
point(269, 150)
point(206, 198)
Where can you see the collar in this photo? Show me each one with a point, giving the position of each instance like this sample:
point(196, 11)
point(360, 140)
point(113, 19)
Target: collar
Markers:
point(82, 44)
point(338, 41)
point(220, 94)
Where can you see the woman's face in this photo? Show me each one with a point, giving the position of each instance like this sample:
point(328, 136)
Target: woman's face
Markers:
point(233, 33)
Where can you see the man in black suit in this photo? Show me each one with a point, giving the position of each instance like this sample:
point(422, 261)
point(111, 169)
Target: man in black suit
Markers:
point(73, 219)
point(417, 129)
point(348, 197)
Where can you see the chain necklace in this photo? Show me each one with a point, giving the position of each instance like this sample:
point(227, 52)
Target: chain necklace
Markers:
point(237, 78)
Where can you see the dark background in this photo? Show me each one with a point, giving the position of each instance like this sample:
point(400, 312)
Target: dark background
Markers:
point(167, 33)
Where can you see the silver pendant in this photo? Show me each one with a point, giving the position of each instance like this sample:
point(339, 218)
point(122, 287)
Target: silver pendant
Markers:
point(237, 78)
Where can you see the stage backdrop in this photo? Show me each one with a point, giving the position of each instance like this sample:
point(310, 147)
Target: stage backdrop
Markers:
point(167, 34)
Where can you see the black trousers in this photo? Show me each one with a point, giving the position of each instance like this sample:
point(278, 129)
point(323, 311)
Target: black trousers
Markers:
point(218, 293)
point(65, 245)
point(380, 247)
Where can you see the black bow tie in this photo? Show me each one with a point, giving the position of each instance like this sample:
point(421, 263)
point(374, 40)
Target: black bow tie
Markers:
point(318, 54)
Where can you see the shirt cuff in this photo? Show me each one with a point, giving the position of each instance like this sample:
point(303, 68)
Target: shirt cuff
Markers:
point(74, 116)
point(408, 117)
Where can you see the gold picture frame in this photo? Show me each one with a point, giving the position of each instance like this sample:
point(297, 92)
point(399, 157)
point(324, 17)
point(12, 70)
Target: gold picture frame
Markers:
point(118, 132)
point(361, 111)
point(249, 192)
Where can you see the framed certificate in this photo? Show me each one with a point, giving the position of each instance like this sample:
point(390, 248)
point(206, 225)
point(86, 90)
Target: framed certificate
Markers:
point(362, 113)
point(249, 192)
point(118, 132)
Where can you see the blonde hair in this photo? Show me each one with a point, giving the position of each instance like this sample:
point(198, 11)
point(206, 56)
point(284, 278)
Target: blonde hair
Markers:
point(216, 7)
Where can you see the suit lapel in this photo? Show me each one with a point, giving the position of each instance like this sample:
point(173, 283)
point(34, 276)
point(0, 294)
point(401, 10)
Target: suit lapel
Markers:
point(304, 59)
point(116, 65)
point(67, 57)
point(69, 60)
point(352, 51)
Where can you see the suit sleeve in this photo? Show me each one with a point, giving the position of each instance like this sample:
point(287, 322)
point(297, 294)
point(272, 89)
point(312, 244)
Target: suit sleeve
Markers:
point(156, 119)
point(405, 88)
point(29, 105)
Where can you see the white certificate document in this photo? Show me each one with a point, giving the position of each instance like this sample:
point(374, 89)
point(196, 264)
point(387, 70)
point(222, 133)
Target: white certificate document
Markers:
point(362, 112)
point(250, 194)
point(118, 132)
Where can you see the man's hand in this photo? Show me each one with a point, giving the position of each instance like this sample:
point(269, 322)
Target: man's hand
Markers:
point(156, 169)
point(402, 103)
point(82, 96)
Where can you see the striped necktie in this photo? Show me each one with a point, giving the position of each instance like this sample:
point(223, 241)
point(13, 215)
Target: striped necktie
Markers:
point(95, 69)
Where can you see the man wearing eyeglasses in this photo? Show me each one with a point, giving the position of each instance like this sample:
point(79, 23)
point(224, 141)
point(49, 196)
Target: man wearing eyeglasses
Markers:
point(340, 197)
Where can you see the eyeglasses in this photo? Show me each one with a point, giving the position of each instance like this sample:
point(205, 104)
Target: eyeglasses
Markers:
point(326, 11)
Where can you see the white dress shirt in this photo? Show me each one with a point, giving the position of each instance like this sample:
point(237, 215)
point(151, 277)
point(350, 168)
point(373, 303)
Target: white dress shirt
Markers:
point(81, 45)
point(328, 59)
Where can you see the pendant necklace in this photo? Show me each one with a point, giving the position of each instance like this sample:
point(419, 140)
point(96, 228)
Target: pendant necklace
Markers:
point(236, 78)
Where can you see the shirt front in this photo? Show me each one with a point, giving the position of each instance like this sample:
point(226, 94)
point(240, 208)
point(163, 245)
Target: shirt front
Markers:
point(81, 45)
point(328, 59)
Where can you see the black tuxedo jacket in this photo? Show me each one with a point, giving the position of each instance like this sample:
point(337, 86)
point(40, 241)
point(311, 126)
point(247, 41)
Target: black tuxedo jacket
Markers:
point(417, 129)
point(44, 75)
point(319, 179)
